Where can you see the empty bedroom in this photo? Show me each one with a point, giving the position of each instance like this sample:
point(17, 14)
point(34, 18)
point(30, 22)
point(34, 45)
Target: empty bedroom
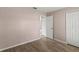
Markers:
point(39, 29)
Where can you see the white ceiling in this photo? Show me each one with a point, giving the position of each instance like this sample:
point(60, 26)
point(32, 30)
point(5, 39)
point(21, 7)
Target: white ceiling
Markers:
point(48, 9)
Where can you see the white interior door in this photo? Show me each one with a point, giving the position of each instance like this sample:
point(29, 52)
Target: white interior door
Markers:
point(49, 27)
point(72, 28)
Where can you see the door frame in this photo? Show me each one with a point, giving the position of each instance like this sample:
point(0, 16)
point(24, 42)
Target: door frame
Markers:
point(41, 24)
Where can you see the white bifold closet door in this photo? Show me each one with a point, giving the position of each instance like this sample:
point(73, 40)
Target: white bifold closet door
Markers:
point(72, 28)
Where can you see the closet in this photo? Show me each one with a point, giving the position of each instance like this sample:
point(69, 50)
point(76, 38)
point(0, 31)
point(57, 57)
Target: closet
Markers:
point(72, 28)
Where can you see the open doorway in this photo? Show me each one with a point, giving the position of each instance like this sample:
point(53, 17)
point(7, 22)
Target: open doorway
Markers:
point(43, 26)
point(46, 29)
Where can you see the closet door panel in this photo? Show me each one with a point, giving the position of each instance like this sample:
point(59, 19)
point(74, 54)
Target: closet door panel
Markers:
point(72, 28)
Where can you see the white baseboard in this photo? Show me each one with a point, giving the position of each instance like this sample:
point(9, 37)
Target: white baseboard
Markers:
point(19, 44)
point(60, 41)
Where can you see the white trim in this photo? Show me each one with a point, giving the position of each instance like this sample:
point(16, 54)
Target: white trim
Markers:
point(60, 41)
point(19, 44)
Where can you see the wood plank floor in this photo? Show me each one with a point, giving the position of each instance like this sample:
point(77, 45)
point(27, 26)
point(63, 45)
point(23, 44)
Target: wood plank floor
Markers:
point(44, 45)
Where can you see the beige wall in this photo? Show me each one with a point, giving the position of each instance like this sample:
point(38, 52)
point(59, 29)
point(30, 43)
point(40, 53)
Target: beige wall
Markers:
point(59, 25)
point(18, 25)
point(60, 22)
